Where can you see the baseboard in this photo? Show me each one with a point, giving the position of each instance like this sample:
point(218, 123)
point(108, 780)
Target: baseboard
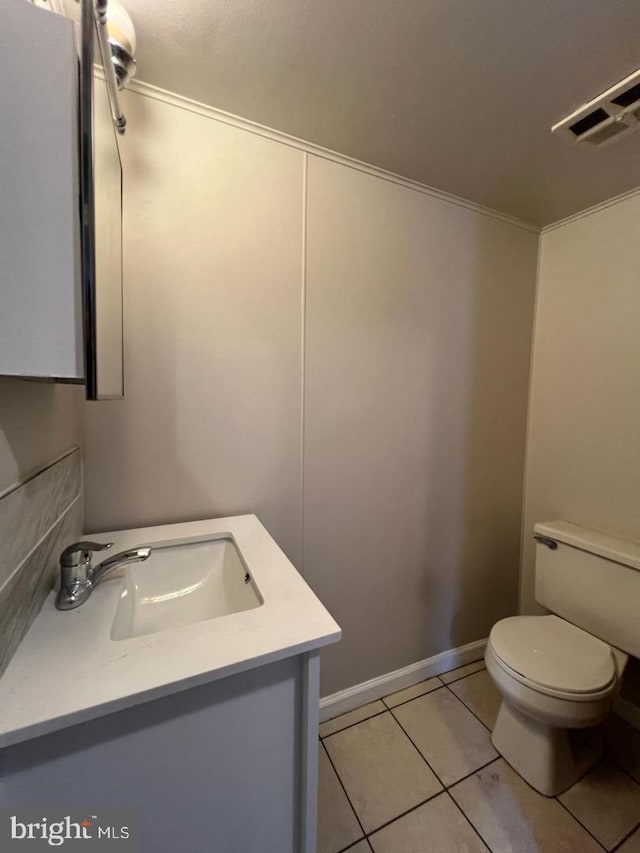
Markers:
point(369, 691)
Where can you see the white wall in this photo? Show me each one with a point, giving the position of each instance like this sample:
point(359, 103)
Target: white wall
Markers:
point(583, 454)
point(211, 420)
point(418, 336)
point(415, 367)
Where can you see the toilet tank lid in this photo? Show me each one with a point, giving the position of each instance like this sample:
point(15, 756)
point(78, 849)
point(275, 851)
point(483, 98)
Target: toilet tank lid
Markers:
point(618, 550)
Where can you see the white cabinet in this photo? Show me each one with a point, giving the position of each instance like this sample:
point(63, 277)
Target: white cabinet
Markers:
point(228, 767)
point(40, 296)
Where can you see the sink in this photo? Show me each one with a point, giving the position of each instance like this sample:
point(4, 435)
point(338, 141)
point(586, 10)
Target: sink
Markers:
point(182, 582)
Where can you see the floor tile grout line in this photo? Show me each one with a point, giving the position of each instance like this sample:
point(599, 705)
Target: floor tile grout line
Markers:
point(444, 788)
point(352, 845)
point(404, 702)
point(413, 698)
point(586, 773)
point(473, 772)
point(470, 710)
point(349, 847)
point(433, 690)
point(433, 796)
point(335, 770)
point(408, 811)
point(408, 736)
point(466, 816)
point(599, 843)
point(453, 680)
point(578, 821)
point(351, 725)
point(625, 838)
point(582, 776)
point(405, 813)
point(447, 788)
point(620, 767)
point(557, 798)
point(387, 709)
point(351, 711)
point(439, 780)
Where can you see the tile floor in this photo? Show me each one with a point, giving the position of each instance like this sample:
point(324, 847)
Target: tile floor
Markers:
point(416, 772)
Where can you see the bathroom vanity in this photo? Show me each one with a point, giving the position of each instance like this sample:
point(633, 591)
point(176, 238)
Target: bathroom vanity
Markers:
point(184, 691)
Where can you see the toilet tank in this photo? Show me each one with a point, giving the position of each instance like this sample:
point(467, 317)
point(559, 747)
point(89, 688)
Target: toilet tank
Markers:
point(591, 580)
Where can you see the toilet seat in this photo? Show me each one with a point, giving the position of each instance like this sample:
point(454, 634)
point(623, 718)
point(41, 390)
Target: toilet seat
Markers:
point(552, 707)
point(554, 657)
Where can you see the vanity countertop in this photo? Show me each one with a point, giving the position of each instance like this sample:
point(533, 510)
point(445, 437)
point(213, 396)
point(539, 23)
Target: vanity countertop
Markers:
point(68, 669)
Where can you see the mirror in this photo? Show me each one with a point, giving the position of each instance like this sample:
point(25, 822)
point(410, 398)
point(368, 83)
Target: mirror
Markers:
point(101, 222)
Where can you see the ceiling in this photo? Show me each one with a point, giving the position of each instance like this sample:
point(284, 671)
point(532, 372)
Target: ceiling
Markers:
point(457, 94)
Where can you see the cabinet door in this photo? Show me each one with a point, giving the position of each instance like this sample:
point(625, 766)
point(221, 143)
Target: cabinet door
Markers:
point(40, 302)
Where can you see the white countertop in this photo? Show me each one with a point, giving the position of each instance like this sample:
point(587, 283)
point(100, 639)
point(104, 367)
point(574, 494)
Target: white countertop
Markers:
point(68, 669)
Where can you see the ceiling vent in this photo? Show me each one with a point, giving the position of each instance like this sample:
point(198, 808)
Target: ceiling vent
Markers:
point(612, 115)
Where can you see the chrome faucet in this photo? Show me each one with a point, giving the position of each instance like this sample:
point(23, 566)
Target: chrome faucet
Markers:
point(78, 576)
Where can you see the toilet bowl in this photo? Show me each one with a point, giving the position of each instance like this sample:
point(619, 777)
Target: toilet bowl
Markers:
point(556, 677)
point(557, 684)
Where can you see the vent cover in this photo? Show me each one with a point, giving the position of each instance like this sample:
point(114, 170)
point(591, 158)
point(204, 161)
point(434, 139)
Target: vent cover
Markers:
point(613, 114)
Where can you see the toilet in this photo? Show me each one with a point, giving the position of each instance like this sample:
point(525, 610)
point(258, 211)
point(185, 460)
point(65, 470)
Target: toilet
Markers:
point(558, 673)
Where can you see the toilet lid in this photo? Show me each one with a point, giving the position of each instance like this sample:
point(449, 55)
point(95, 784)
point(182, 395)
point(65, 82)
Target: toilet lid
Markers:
point(553, 653)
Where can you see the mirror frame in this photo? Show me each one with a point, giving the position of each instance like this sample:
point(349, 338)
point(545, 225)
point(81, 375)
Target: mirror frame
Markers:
point(89, 283)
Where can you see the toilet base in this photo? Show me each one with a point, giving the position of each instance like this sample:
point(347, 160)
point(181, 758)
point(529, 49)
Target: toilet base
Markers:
point(548, 758)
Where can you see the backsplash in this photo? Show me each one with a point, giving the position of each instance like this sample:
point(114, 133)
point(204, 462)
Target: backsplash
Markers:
point(38, 518)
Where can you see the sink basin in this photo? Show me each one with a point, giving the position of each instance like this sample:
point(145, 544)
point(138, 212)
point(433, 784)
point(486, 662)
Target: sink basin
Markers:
point(183, 582)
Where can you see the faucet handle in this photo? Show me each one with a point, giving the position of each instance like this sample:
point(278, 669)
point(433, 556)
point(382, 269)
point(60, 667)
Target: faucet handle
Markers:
point(80, 552)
